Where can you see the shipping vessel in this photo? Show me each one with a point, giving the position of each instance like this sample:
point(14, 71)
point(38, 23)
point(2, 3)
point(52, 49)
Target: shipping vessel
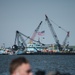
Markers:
point(34, 47)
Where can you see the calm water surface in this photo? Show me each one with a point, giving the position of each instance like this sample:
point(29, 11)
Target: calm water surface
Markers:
point(63, 63)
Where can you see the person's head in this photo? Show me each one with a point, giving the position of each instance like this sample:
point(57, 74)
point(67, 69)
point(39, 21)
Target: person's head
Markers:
point(20, 66)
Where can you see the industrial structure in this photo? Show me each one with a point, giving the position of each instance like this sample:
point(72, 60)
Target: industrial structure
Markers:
point(35, 33)
point(37, 46)
point(63, 46)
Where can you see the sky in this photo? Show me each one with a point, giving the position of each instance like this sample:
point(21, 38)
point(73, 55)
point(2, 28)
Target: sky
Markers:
point(25, 16)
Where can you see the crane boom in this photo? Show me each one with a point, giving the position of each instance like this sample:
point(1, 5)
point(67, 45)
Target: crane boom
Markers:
point(35, 32)
point(53, 32)
point(29, 37)
point(19, 42)
point(65, 40)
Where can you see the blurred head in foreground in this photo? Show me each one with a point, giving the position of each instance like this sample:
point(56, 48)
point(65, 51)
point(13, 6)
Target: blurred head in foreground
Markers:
point(20, 66)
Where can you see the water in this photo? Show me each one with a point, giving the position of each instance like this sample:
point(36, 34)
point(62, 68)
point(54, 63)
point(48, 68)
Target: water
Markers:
point(63, 63)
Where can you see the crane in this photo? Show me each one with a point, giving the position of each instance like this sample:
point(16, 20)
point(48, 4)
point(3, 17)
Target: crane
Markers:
point(19, 42)
point(65, 40)
point(64, 45)
point(35, 32)
point(53, 33)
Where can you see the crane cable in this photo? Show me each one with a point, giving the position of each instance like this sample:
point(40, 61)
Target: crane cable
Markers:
point(58, 26)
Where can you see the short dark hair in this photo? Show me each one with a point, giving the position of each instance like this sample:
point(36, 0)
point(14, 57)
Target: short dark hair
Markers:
point(16, 63)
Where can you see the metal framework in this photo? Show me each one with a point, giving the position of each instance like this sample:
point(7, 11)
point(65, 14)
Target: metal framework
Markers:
point(35, 32)
point(53, 32)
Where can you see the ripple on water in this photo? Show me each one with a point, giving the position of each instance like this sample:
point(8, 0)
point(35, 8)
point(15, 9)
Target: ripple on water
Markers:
point(63, 63)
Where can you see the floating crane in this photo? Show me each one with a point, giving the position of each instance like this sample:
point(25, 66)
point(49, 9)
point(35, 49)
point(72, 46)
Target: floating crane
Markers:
point(53, 33)
point(63, 47)
point(20, 43)
point(64, 44)
point(35, 32)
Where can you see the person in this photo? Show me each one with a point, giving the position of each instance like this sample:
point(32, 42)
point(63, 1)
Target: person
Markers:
point(20, 66)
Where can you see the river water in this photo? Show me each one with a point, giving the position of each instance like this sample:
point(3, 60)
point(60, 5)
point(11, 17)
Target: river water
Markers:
point(62, 63)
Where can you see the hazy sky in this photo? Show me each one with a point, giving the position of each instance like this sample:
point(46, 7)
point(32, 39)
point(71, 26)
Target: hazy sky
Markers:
point(25, 15)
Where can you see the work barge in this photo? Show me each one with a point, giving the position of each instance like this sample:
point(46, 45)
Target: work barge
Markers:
point(34, 47)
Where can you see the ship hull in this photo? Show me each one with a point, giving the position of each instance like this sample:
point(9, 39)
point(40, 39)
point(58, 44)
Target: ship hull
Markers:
point(40, 53)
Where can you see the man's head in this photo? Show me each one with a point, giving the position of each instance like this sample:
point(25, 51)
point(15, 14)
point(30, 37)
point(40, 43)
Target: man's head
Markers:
point(20, 66)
